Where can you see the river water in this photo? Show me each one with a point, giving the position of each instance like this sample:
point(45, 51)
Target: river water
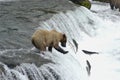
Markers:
point(94, 30)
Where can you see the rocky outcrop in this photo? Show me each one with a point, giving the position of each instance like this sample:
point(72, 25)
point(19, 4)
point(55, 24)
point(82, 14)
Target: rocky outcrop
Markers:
point(102, 0)
point(13, 58)
point(85, 3)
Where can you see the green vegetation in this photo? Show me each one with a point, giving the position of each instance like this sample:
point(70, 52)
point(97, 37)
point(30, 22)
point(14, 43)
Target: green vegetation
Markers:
point(86, 3)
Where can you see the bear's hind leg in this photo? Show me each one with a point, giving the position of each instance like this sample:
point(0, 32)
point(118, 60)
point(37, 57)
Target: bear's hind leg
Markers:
point(42, 48)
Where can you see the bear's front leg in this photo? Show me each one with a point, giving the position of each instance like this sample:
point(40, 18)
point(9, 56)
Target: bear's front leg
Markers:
point(50, 48)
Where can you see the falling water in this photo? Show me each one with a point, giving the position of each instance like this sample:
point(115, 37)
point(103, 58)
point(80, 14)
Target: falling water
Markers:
point(79, 24)
point(74, 23)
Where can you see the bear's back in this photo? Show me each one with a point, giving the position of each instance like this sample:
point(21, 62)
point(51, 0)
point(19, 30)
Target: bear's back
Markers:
point(40, 33)
point(56, 35)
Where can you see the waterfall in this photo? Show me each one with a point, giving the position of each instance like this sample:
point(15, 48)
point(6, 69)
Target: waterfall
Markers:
point(89, 30)
point(63, 67)
point(79, 24)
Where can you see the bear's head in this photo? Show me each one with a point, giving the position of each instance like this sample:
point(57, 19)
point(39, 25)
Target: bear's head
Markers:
point(63, 40)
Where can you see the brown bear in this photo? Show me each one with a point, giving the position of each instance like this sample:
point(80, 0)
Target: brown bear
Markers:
point(44, 38)
point(115, 4)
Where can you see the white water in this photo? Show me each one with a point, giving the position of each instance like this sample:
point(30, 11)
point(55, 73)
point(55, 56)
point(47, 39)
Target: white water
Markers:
point(94, 32)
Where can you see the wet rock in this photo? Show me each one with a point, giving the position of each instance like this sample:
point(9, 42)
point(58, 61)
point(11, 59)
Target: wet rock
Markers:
point(85, 3)
point(102, 0)
point(14, 58)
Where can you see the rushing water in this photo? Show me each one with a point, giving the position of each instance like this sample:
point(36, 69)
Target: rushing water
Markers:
point(92, 31)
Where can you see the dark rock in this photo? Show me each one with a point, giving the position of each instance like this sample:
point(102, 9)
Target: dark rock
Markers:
point(85, 3)
point(102, 0)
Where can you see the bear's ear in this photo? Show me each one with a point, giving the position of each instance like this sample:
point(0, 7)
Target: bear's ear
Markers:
point(64, 36)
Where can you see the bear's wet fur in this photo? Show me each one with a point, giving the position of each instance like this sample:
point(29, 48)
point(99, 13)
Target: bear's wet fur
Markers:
point(44, 38)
